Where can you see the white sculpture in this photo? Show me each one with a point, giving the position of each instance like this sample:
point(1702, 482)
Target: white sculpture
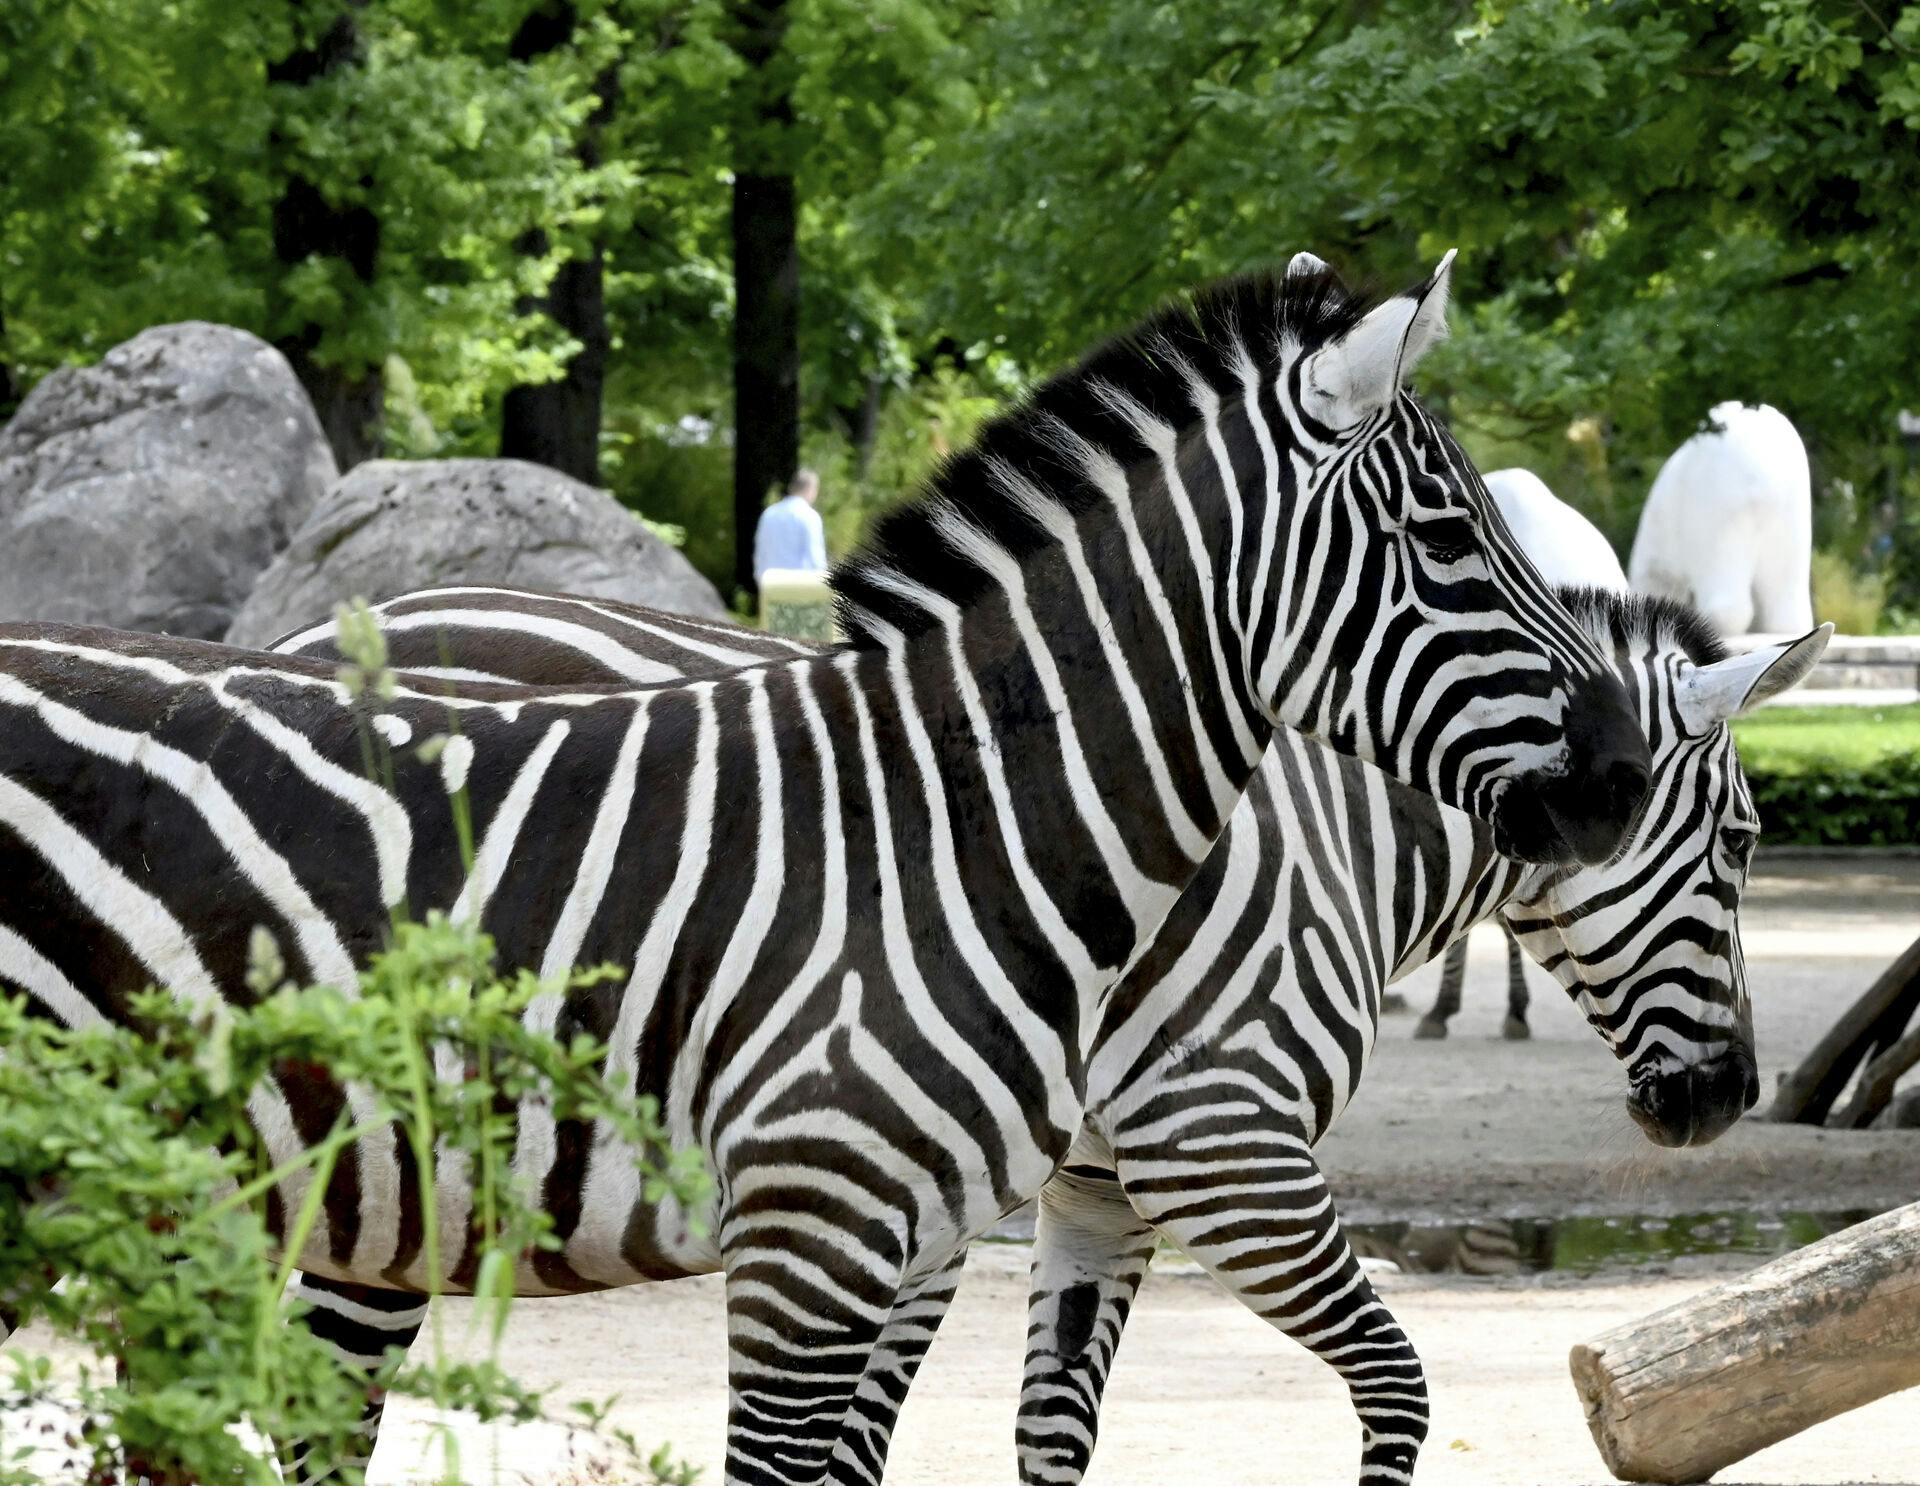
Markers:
point(1565, 546)
point(1729, 525)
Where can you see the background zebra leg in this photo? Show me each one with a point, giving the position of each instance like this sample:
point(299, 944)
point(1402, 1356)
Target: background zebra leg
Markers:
point(1453, 971)
point(1260, 1219)
point(865, 1434)
point(360, 1323)
point(1090, 1253)
point(801, 1329)
point(1515, 1028)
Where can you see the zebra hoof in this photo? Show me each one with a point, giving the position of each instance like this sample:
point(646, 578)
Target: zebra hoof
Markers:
point(1430, 1029)
point(1515, 1030)
point(1394, 1004)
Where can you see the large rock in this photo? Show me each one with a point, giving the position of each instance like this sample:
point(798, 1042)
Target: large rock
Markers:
point(389, 526)
point(149, 491)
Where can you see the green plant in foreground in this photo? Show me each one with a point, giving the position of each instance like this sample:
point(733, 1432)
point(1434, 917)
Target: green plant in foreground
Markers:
point(129, 1165)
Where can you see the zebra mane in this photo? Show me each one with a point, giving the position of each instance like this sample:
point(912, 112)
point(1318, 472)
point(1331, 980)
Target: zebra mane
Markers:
point(1638, 621)
point(1213, 331)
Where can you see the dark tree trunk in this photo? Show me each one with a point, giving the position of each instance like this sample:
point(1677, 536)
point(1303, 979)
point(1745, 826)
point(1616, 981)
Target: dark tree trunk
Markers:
point(558, 423)
point(862, 423)
point(350, 401)
point(9, 393)
point(766, 275)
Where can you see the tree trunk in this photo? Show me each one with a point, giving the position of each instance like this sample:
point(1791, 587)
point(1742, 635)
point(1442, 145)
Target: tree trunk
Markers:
point(766, 275)
point(350, 401)
point(1691, 1389)
point(9, 393)
point(558, 423)
point(1873, 1022)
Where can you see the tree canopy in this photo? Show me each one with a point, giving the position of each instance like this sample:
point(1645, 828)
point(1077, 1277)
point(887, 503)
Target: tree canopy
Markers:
point(1657, 207)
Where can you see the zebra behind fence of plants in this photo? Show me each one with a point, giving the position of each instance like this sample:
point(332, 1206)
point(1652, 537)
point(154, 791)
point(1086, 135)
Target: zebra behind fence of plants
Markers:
point(1067, 657)
point(1621, 936)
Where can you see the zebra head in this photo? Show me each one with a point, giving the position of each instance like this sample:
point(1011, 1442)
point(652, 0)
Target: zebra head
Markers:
point(1405, 625)
point(1648, 943)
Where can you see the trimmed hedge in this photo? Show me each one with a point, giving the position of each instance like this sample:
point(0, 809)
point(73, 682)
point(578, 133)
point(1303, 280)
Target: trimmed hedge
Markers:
point(1824, 802)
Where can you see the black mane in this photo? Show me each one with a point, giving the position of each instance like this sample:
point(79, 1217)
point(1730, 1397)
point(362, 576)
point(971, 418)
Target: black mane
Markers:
point(1209, 329)
point(1638, 621)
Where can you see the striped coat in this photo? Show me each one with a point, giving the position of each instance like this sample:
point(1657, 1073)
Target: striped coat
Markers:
point(1331, 882)
point(873, 902)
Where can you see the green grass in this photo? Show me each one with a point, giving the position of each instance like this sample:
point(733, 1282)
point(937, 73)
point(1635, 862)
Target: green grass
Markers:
point(1782, 739)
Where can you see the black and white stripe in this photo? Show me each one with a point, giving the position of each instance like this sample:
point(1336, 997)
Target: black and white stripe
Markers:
point(1068, 657)
point(1307, 867)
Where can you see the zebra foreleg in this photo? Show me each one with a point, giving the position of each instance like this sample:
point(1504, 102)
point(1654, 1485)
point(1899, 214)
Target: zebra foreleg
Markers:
point(1090, 1254)
point(1259, 1217)
point(1515, 1028)
point(860, 1456)
point(361, 1324)
point(1453, 972)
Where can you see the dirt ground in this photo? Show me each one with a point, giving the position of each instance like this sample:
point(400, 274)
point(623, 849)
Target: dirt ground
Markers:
point(1203, 1392)
point(1475, 1126)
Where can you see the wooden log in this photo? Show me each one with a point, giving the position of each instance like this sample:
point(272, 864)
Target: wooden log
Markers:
point(1874, 1092)
point(1699, 1385)
point(1873, 1022)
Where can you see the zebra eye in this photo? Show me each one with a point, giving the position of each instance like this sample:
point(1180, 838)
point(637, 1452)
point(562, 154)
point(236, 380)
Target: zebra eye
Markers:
point(1446, 538)
point(1737, 844)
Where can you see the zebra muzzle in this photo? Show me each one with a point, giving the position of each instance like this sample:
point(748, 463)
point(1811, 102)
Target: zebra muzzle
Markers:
point(1681, 1104)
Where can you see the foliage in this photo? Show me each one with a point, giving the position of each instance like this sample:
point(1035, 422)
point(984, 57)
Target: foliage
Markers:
point(1657, 207)
point(1840, 805)
point(1833, 776)
point(130, 1165)
point(1851, 600)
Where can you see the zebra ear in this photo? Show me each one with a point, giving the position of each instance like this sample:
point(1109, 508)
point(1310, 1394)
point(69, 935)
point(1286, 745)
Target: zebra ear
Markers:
point(1359, 374)
point(1734, 686)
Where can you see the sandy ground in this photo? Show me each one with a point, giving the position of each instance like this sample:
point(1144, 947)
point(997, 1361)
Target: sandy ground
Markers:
point(1204, 1392)
point(1477, 1126)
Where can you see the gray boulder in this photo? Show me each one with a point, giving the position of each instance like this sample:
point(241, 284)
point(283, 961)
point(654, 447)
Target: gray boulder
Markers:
point(389, 526)
point(149, 491)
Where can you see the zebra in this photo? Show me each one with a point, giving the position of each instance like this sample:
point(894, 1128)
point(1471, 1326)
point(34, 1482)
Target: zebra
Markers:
point(1453, 975)
point(1434, 879)
point(1066, 658)
point(1570, 551)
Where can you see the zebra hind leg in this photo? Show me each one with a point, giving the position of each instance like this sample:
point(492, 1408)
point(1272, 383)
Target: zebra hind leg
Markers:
point(867, 1430)
point(1271, 1237)
point(1090, 1254)
point(1515, 1028)
point(805, 1314)
point(1453, 972)
point(361, 1324)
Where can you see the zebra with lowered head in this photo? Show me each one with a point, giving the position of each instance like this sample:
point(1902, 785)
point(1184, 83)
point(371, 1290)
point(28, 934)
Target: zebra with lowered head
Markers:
point(1066, 658)
point(1304, 863)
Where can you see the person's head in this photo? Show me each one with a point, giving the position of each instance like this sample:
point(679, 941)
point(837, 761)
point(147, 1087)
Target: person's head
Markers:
point(806, 485)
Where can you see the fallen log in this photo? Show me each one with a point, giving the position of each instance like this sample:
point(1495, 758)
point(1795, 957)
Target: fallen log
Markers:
point(1699, 1385)
point(1875, 1089)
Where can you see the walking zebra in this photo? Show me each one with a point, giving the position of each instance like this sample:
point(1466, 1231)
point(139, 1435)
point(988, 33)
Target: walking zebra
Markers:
point(1570, 551)
point(1067, 657)
point(1648, 943)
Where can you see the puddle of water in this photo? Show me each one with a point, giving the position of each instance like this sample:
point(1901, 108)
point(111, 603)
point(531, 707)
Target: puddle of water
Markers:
point(1586, 1245)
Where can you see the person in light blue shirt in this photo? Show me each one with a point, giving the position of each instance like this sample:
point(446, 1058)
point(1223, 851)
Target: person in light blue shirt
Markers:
point(790, 534)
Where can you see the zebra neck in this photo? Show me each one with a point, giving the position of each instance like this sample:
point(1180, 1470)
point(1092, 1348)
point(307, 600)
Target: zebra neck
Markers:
point(1082, 766)
point(1452, 879)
